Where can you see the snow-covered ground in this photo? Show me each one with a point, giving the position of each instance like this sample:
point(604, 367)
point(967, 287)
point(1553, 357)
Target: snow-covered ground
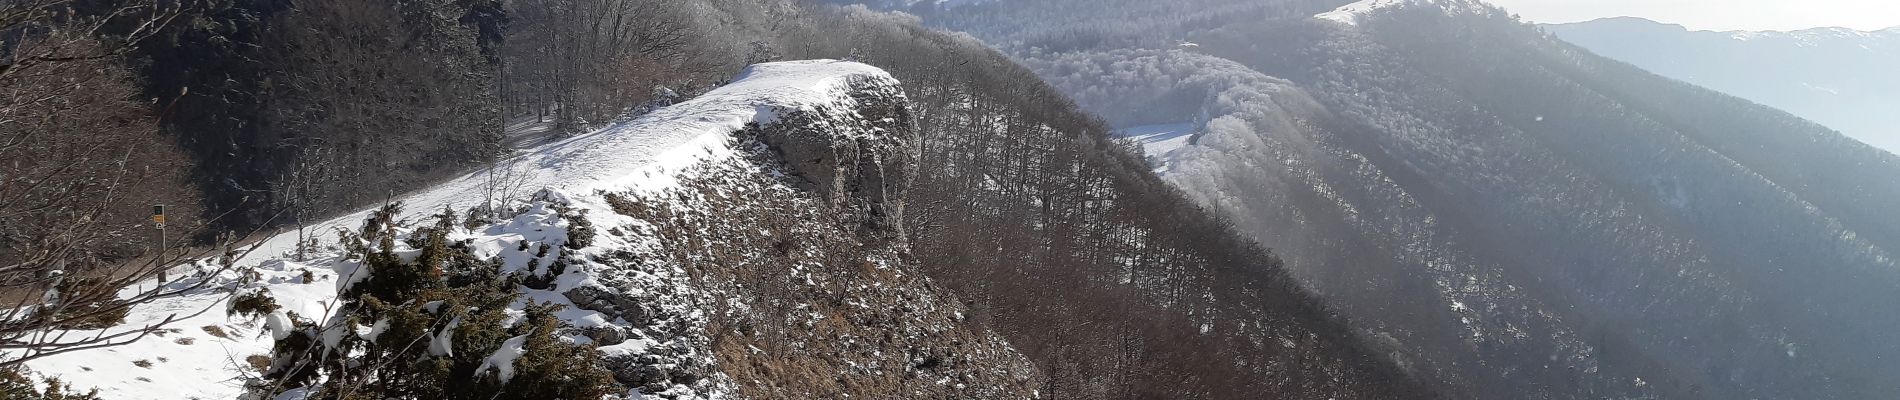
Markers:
point(527, 132)
point(1159, 141)
point(205, 355)
point(1349, 14)
point(639, 153)
point(200, 356)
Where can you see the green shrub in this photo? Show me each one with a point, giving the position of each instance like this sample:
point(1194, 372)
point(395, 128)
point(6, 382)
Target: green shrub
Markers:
point(446, 292)
point(16, 385)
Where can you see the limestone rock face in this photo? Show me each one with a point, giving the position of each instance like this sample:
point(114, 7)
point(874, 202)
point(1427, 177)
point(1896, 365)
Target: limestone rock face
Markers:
point(785, 271)
point(858, 154)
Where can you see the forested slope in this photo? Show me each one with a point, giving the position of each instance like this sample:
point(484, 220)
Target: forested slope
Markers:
point(1508, 215)
point(1023, 193)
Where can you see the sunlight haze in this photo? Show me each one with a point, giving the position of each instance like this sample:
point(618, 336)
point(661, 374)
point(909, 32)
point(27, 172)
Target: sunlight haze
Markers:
point(1719, 15)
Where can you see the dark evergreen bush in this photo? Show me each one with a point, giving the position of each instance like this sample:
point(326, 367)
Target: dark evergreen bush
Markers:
point(424, 329)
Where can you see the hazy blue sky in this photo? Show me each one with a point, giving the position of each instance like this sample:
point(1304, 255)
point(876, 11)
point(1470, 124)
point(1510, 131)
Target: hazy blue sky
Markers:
point(1720, 15)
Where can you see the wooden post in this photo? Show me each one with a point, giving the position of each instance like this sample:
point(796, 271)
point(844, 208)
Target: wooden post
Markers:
point(158, 220)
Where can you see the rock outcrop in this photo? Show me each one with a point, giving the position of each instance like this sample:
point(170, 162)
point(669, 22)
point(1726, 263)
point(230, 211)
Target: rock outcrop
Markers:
point(858, 155)
point(783, 271)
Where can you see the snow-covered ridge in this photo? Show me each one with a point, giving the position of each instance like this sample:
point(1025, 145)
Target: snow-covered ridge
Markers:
point(1808, 36)
point(1351, 13)
point(205, 356)
point(636, 155)
point(1811, 32)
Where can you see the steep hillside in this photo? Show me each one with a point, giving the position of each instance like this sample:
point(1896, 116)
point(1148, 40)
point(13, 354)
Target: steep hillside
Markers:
point(1059, 239)
point(1774, 224)
point(1510, 216)
point(1571, 216)
point(1066, 25)
point(747, 243)
point(1838, 77)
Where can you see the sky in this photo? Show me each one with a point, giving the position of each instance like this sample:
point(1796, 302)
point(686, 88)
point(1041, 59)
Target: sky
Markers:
point(1719, 15)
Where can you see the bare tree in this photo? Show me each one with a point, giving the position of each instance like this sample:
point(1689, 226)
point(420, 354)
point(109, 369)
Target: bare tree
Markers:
point(503, 183)
point(590, 61)
point(84, 160)
point(42, 32)
point(374, 97)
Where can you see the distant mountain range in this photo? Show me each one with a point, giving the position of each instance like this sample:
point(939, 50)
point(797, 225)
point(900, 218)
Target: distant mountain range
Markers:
point(1842, 78)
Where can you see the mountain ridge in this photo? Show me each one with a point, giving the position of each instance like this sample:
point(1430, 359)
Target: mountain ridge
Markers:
point(1646, 21)
point(1838, 77)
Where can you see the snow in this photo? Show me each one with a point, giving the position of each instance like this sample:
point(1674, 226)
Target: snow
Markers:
point(637, 154)
point(334, 331)
point(1160, 139)
point(1819, 88)
point(525, 132)
point(941, 4)
point(1351, 13)
point(443, 344)
point(503, 361)
point(1159, 142)
point(375, 330)
point(1746, 36)
point(190, 360)
point(352, 274)
point(205, 355)
point(279, 325)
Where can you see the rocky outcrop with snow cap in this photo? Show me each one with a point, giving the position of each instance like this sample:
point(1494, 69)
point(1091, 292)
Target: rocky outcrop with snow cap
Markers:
point(858, 159)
